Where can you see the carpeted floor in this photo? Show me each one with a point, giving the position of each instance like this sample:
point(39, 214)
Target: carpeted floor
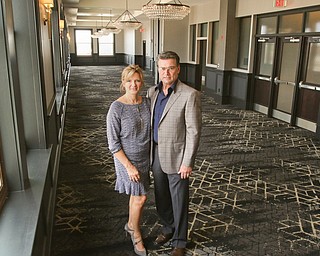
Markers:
point(255, 189)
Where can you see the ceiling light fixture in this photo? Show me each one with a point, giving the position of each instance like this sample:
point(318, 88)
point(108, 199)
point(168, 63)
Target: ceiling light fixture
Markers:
point(127, 20)
point(173, 10)
point(105, 30)
point(97, 33)
point(111, 28)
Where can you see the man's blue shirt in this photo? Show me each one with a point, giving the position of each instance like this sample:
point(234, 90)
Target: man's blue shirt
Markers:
point(161, 103)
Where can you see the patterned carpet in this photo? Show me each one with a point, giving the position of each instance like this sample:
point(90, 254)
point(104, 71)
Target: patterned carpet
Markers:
point(255, 189)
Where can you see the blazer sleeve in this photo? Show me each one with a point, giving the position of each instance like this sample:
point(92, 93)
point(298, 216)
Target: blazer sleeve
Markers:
point(193, 118)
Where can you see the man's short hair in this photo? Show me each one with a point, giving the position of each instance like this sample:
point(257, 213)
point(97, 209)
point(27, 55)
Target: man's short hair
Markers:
point(169, 55)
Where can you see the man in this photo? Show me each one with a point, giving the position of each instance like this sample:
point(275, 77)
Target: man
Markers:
point(176, 127)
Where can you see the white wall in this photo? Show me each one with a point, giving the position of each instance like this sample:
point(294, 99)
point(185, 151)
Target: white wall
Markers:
point(138, 42)
point(129, 41)
point(146, 35)
point(119, 42)
point(205, 12)
point(71, 34)
point(176, 38)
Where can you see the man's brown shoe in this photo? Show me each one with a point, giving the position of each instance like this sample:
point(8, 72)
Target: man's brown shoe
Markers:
point(178, 252)
point(163, 238)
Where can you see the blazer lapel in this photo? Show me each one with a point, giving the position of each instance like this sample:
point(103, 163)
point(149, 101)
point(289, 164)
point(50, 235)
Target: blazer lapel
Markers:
point(173, 97)
point(153, 102)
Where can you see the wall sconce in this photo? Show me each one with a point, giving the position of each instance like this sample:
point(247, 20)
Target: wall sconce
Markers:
point(46, 5)
point(61, 27)
point(68, 37)
point(61, 24)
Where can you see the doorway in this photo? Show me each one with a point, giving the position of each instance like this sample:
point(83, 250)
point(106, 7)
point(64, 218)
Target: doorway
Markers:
point(285, 84)
point(309, 85)
point(144, 53)
point(286, 79)
point(203, 61)
point(264, 74)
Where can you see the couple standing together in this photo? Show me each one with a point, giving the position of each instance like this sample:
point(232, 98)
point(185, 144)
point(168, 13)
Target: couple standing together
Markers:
point(166, 126)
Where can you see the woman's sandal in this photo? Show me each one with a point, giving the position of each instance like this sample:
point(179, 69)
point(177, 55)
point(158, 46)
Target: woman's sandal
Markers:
point(129, 230)
point(140, 253)
point(134, 242)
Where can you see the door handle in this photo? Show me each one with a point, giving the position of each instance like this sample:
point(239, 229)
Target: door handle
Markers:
point(264, 78)
point(278, 81)
point(309, 87)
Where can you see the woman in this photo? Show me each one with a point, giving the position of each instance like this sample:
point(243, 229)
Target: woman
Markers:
point(128, 132)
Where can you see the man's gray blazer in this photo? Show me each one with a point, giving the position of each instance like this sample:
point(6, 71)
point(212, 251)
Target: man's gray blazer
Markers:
point(179, 127)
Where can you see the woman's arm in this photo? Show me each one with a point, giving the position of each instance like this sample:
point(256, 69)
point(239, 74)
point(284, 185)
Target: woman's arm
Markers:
point(131, 169)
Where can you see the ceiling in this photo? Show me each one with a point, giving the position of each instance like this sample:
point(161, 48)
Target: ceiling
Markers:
point(82, 13)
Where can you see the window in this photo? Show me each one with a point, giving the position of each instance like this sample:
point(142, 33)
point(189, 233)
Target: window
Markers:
point(244, 41)
point(313, 22)
point(83, 42)
point(192, 43)
point(106, 45)
point(313, 68)
point(203, 29)
point(291, 23)
point(3, 185)
point(214, 43)
point(266, 61)
point(267, 25)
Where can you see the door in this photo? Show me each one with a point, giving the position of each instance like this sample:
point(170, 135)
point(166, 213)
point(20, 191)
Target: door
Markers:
point(309, 86)
point(263, 74)
point(144, 50)
point(286, 79)
point(203, 62)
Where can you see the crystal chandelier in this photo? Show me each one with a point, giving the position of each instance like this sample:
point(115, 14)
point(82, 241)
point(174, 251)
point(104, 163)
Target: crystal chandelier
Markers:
point(102, 32)
point(111, 28)
point(97, 34)
point(105, 31)
point(127, 20)
point(173, 10)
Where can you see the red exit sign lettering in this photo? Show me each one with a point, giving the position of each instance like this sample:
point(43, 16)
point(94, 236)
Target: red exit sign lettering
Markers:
point(280, 3)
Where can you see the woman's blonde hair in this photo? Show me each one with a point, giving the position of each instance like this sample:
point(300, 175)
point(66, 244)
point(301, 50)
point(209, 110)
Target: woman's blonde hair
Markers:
point(127, 73)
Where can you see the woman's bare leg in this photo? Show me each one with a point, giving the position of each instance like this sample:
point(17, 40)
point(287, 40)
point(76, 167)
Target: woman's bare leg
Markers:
point(136, 204)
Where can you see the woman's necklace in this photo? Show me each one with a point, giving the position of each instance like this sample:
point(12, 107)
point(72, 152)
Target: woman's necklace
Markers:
point(130, 101)
point(136, 102)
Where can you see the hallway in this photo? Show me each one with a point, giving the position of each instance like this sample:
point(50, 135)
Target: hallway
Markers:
point(254, 191)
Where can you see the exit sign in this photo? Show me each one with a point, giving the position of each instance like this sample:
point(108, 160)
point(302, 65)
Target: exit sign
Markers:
point(280, 3)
